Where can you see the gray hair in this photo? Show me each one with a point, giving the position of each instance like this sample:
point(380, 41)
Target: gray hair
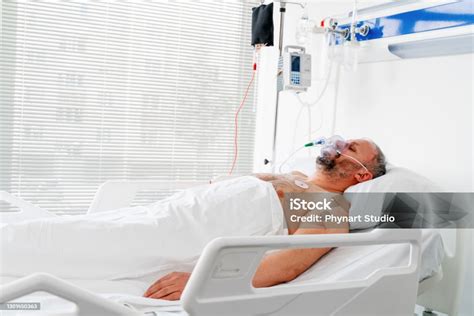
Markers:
point(378, 165)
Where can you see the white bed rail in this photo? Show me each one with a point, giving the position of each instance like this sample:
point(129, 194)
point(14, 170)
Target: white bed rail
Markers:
point(25, 209)
point(221, 281)
point(87, 302)
point(446, 295)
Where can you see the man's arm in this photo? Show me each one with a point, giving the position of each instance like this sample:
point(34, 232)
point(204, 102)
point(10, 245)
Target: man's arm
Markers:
point(285, 265)
point(278, 267)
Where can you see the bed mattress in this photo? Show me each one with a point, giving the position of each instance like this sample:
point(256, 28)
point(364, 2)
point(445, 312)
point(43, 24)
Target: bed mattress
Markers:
point(358, 263)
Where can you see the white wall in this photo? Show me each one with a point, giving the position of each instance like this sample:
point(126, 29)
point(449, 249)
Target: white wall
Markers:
point(418, 111)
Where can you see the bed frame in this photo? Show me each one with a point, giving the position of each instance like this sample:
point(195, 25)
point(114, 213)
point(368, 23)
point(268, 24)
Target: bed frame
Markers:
point(221, 282)
point(87, 303)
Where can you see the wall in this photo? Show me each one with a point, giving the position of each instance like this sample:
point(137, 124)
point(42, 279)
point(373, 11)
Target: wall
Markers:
point(418, 111)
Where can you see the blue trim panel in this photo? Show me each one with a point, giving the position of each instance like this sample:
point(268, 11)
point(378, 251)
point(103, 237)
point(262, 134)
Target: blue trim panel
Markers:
point(428, 19)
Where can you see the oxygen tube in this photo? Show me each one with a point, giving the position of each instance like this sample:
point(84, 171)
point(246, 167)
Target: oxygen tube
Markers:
point(317, 142)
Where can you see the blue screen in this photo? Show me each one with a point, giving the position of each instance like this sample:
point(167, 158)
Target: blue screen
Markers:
point(295, 63)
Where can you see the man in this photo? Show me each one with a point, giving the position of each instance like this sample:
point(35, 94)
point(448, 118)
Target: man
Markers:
point(340, 165)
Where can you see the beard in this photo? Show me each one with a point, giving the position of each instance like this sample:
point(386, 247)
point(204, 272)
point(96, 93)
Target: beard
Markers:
point(325, 163)
point(328, 166)
point(334, 170)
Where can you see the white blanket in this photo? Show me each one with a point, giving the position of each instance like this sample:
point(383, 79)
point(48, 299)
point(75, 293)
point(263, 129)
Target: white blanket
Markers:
point(141, 242)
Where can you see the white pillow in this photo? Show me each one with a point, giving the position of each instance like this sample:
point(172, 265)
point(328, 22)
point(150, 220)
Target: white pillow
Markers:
point(396, 179)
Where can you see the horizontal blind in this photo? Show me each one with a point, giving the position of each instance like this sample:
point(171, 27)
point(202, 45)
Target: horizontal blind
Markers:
point(96, 91)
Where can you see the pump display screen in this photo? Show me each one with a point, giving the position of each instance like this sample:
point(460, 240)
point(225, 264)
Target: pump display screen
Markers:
point(295, 63)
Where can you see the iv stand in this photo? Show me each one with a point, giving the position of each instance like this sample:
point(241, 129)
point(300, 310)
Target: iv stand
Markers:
point(280, 50)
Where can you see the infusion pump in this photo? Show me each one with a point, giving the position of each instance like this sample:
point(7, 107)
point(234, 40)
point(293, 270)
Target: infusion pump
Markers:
point(295, 68)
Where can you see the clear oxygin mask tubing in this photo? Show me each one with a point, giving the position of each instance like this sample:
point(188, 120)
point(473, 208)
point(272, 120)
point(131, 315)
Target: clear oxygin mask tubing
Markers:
point(333, 147)
point(336, 142)
point(321, 141)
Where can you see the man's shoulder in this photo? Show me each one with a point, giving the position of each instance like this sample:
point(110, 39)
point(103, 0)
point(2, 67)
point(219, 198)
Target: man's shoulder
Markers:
point(341, 201)
point(298, 173)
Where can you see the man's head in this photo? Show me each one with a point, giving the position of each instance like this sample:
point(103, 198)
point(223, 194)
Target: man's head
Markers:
point(354, 161)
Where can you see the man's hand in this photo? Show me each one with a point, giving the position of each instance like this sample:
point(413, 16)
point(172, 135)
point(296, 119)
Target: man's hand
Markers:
point(168, 287)
point(285, 265)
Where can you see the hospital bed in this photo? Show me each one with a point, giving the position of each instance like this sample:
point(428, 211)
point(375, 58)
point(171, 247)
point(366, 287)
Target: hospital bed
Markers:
point(370, 273)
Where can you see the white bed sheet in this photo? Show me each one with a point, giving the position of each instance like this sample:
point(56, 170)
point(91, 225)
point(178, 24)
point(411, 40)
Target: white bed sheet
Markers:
point(142, 241)
point(341, 264)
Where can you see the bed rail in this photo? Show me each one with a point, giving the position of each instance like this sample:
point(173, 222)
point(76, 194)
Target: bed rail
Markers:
point(87, 302)
point(445, 297)
point(221, 280)
point(26, 210)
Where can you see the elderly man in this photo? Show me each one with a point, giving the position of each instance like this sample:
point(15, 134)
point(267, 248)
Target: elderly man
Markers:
point(340, 165)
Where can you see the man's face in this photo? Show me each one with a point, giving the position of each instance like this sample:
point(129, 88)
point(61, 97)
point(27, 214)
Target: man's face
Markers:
point(342, 166)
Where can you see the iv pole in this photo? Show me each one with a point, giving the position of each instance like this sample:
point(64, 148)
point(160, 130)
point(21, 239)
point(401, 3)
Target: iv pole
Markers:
point(280, 50)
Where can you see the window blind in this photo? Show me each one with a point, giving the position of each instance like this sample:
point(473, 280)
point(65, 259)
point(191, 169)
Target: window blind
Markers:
point(95, 91)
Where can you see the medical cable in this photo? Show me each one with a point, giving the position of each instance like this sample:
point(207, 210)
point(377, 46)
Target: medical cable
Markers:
point(236, 119)
point(353, 22)
point(356, 160)
point(289, 157)
point(323, 90)
point(309, 135)
point(318, 141)
point(304, 104)
point(336, 100)
point(331, 37)
point(308, 109)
